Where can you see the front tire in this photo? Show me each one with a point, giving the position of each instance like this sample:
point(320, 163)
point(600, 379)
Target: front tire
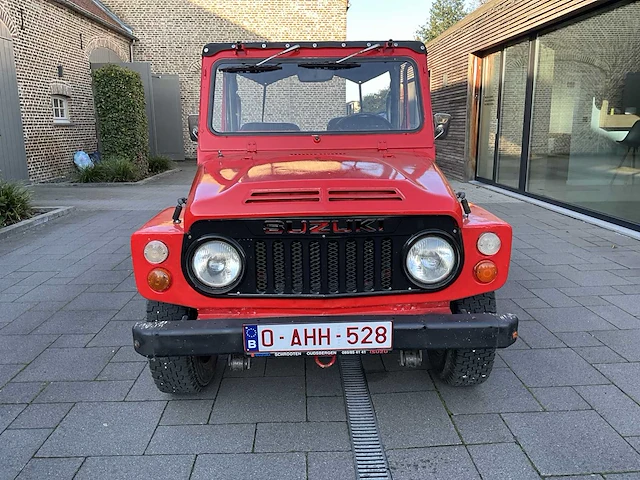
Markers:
point(182, 375)
point(465, 367)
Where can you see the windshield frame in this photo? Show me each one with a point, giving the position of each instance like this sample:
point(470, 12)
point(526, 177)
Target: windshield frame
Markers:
point(316, 59)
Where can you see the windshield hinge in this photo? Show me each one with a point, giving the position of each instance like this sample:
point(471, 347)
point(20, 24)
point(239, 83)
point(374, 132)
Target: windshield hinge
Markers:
point(252, 147)
point(382, 146)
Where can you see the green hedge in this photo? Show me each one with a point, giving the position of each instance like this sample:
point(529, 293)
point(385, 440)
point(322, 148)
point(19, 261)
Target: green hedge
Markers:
point(122, 120)
point(15, 203)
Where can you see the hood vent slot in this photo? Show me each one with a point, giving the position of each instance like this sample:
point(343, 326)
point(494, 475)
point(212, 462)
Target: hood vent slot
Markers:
point(283, 196)
point(364, 194)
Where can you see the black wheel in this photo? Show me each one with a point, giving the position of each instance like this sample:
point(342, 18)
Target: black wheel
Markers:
point(464, 367)
point(178, 374)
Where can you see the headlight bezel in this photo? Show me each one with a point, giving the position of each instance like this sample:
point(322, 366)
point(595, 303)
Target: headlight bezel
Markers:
point(193, 279)
point(455, 272)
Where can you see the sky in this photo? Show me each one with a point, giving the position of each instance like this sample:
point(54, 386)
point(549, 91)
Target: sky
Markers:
point(385, 19)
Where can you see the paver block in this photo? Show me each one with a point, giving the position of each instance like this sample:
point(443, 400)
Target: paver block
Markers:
point(330, 466)
point(147, 467)
point(66, 364)
point(42, 416)
point(17, 447)
point(500, 461)
point(408, 420)
point(197, 439)
point(187, 412)
point(623, 342)
point(302, 437)
point(618, 409)
point(560, 398)
point(251, 400)
point(23, 348)
point(482, 428)
point(570, 319)
point(436, 463)
point(326, 409)
point(566, 443)
point(96, 391)
point(552, 368)
point(502, 392)
point(104, 428)
point(50, 469)
point(251, 466)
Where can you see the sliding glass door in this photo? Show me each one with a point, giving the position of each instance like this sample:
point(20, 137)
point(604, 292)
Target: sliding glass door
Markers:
point(502, 109)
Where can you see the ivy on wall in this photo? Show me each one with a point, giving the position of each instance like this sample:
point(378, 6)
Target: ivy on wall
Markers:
point(122, 120)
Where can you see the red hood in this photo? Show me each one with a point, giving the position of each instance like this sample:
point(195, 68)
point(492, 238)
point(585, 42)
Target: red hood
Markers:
point(277, 184)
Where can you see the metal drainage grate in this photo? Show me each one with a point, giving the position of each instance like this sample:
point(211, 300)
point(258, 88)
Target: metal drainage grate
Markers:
point(369, 458)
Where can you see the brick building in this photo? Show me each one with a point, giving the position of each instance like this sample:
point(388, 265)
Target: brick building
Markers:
point(47, 46)
point(173, 43)
point(545, 98)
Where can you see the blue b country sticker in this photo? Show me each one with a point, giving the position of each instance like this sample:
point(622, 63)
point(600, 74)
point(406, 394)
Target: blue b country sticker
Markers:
point(251, 338)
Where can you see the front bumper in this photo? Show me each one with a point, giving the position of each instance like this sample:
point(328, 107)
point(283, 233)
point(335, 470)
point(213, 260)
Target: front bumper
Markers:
point(410, 332)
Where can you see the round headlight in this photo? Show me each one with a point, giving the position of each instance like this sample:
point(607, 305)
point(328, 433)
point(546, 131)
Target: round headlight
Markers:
point(489, 243)
point(217, 264)
point(156, 252)
point(430, 260)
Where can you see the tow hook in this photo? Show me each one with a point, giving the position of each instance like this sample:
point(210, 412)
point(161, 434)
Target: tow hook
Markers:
point(410, 358)
point(238, 363)
point(321, 364)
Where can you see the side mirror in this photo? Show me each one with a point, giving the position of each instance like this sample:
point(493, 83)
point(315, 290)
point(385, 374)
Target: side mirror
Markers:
point(192, 122)
point(441, 122)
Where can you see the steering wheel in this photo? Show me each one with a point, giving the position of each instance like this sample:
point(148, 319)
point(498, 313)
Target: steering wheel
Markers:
point(362, 121)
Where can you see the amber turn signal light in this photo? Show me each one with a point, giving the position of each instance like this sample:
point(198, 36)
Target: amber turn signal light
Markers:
point(159, 279)
point(486, 271)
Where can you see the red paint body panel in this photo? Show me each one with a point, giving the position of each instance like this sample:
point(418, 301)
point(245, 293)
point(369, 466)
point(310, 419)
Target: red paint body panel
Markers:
point(283, 164)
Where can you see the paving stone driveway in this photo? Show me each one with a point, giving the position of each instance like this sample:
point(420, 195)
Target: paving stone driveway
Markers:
point(77, 402)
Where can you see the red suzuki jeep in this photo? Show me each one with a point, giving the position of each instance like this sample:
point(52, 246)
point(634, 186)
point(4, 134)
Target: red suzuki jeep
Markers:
point(319, 224)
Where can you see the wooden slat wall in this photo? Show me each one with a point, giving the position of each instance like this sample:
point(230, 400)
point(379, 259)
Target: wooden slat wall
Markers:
point(451, 65)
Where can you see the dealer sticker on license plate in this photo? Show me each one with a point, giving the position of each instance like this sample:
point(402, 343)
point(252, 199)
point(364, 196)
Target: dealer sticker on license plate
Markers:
point(318, 337)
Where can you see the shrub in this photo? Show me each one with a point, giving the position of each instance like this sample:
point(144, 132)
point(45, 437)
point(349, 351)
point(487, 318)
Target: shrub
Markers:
point(118, 169)
point(15, 203)
point(159, 164)
point(113, 169)
point(89, 175)
point(122, 119)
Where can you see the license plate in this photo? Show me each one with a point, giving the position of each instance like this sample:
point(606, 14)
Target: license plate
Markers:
point(318, 337)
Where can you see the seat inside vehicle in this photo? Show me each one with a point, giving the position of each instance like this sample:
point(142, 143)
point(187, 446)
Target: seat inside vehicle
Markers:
point(269, 127)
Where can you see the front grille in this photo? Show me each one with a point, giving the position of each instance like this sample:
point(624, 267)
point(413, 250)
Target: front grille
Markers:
point(289, 258)
point(316, 267)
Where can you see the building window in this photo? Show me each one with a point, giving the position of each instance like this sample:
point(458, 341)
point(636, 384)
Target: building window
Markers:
point(565, 123)
point(60, 109)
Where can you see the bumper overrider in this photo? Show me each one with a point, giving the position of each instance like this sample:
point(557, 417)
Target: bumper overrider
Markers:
point(410, 332)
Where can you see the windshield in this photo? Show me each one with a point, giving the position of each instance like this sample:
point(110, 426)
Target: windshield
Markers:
point(316, 95)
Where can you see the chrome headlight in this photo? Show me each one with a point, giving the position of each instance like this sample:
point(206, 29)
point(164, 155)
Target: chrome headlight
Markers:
point(217, 264)
point(430, 260)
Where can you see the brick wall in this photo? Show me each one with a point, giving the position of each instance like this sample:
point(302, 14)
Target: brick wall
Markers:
point(172, 42)
point(44, 36)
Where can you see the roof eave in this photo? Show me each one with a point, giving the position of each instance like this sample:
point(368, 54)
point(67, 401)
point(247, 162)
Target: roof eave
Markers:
point(95, 18)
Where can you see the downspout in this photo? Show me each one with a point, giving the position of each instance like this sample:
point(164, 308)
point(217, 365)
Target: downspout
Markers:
point(131, 50)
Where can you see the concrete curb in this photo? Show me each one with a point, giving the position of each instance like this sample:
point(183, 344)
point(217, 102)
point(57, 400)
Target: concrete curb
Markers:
point(49, 214)
point(108, 184)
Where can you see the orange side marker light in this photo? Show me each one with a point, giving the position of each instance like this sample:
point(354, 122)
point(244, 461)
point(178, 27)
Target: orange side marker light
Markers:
point(485, 271)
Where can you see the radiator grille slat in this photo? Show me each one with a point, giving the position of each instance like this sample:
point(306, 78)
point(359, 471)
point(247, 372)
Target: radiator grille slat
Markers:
point(335, 267)
point(278, 267)
point(315, 268)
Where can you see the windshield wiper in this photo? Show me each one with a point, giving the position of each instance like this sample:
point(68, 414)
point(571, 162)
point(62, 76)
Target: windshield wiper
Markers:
point(286, 50)
point(372, 47)
point(251, 69)
point(329, 65)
